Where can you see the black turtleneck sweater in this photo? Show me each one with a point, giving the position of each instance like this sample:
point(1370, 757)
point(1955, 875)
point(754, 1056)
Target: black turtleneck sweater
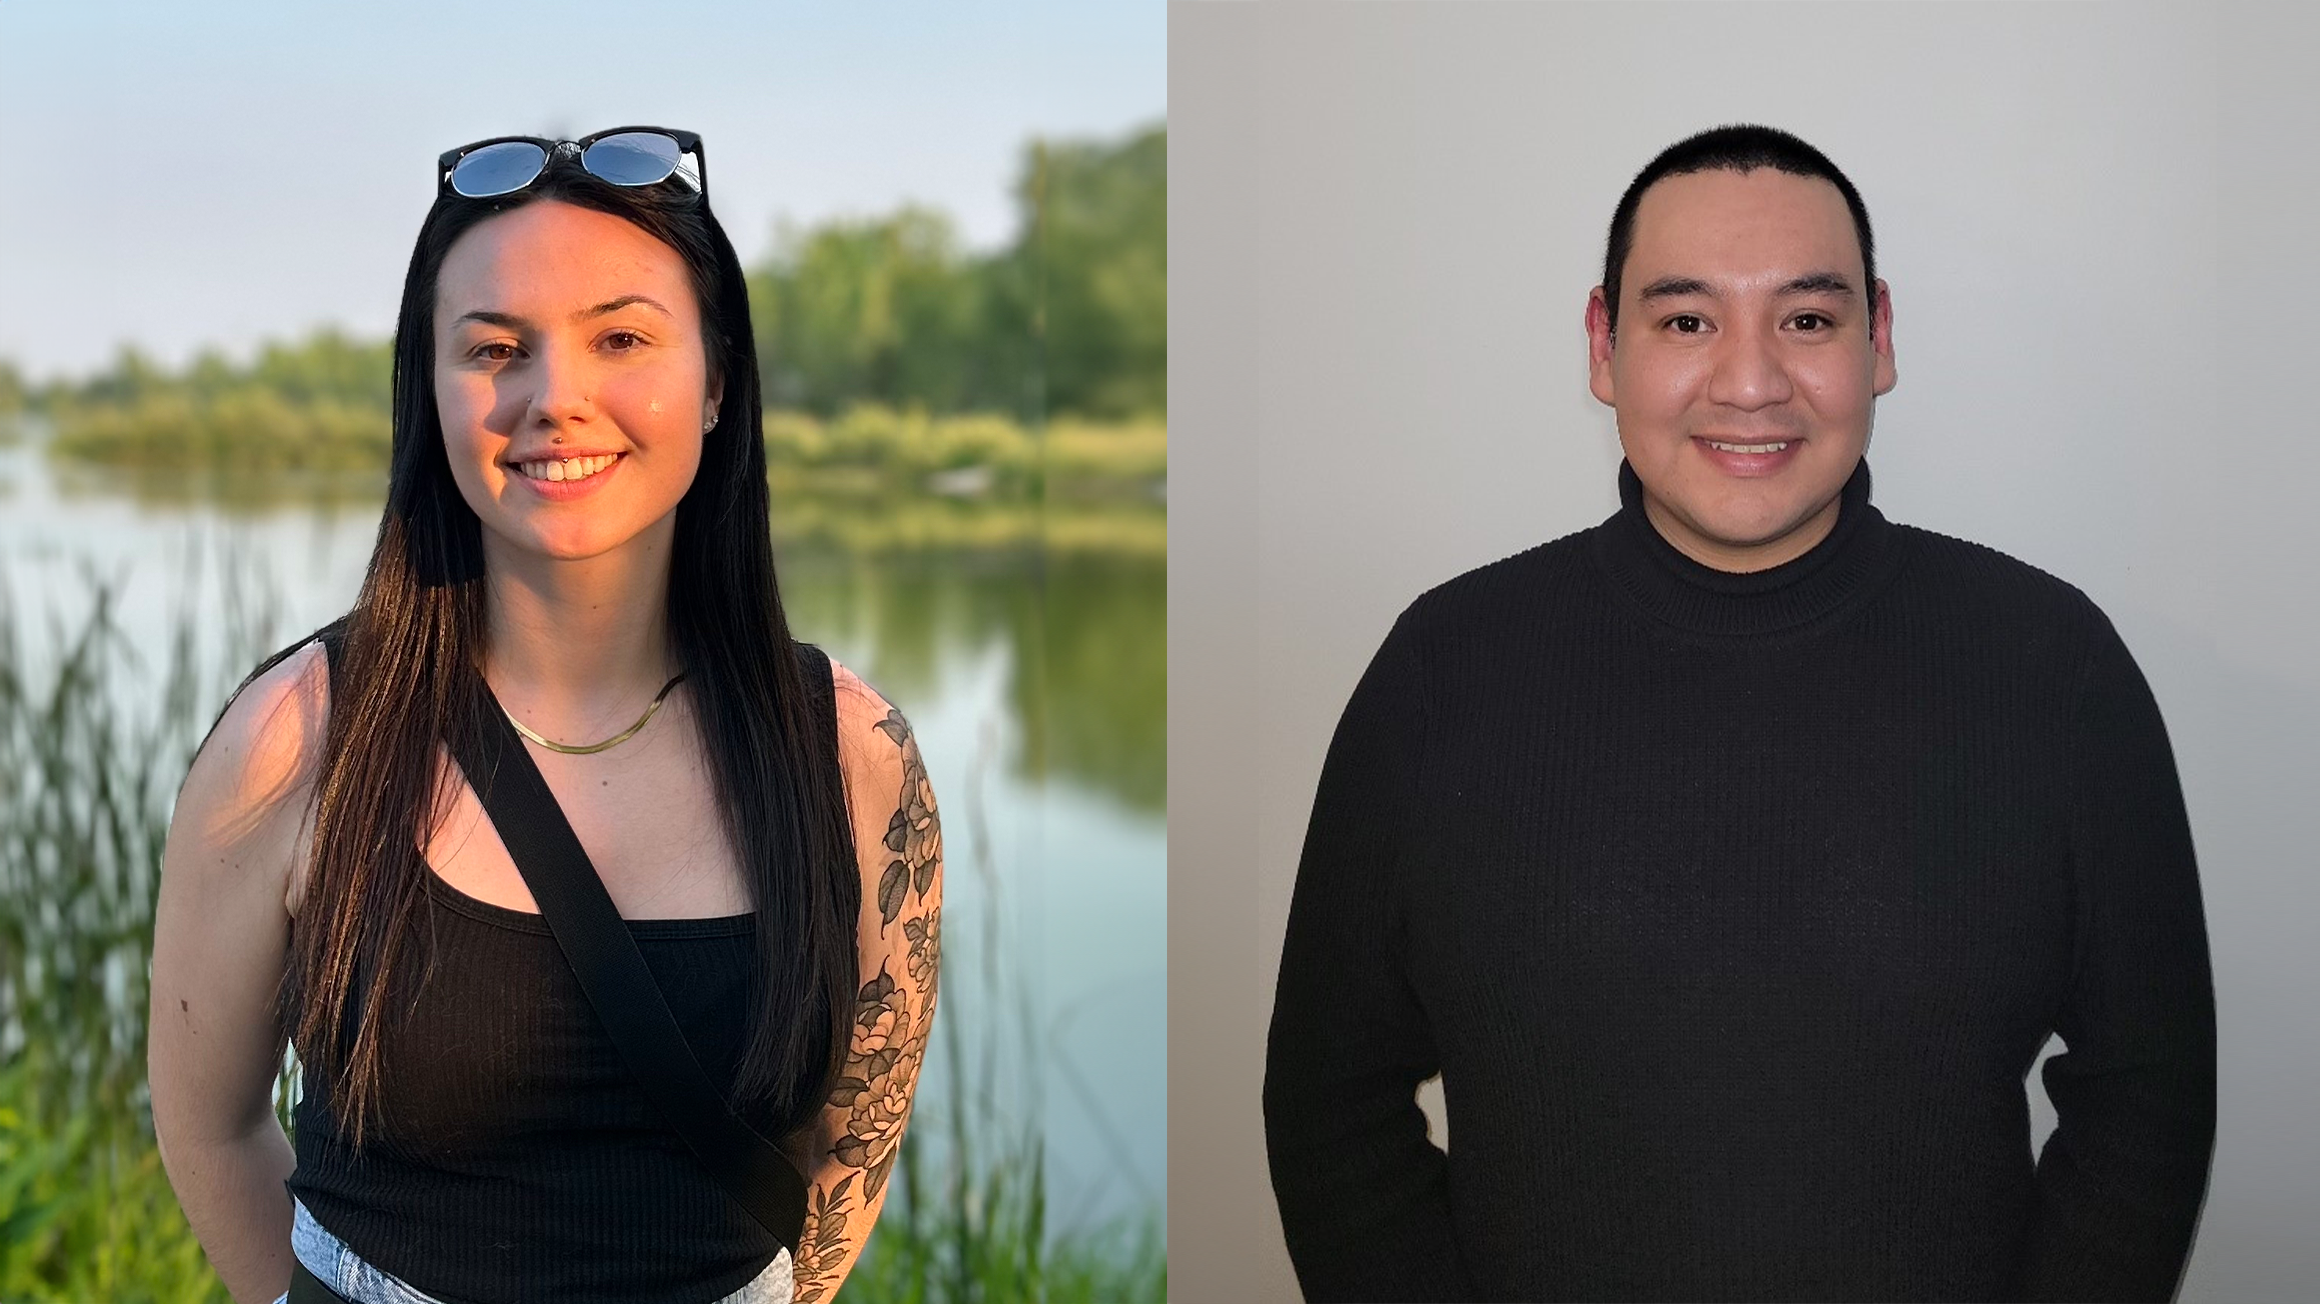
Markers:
point(1733, 910)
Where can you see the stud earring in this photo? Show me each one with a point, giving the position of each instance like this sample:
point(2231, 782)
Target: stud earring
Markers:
point(712, 425)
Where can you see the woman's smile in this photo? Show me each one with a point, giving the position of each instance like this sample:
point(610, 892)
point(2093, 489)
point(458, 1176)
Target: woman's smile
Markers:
point(565, 479)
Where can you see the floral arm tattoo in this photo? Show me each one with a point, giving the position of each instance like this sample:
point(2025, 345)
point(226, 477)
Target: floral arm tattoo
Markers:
point(892, 1014)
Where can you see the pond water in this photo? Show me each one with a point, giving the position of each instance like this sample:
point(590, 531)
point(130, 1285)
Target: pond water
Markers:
point(1034, 678)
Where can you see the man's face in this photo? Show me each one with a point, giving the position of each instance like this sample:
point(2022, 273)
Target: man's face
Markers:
point(1742, 318)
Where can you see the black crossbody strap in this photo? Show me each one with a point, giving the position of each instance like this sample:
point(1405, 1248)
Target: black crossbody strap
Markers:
point(612, 971)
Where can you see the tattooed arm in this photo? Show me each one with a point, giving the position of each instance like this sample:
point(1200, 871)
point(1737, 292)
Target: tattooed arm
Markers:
point(899, 840)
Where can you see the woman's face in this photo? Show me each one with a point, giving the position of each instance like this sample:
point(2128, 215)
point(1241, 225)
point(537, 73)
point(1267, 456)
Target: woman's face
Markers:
point(572, 378)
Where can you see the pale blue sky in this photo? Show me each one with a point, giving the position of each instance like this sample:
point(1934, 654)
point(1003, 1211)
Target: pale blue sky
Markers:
point(188, 174)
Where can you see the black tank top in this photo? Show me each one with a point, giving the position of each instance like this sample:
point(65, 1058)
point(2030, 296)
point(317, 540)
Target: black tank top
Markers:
point(521, 1160)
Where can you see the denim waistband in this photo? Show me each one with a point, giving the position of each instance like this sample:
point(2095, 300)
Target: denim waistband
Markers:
point(344, 1271)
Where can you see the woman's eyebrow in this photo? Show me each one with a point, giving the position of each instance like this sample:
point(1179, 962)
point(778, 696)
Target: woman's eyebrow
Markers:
point(509, 321)
point(615, 305)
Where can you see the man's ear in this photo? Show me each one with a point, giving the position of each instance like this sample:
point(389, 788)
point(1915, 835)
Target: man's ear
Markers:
point(1598, 323)
point(1881, 339)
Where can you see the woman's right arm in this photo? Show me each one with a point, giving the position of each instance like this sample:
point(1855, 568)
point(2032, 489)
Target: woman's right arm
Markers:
point(221, 933)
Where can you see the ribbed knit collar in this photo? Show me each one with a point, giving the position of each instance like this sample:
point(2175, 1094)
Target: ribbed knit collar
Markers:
point(1854, 560)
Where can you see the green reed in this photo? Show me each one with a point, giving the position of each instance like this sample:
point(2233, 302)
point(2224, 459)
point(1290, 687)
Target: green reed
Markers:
point(86, 1210)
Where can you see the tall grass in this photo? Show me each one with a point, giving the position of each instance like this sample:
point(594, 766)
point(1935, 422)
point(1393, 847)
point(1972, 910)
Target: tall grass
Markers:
point(86, 1210)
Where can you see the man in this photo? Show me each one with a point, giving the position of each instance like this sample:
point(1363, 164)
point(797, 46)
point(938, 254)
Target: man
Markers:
point(1732, 860)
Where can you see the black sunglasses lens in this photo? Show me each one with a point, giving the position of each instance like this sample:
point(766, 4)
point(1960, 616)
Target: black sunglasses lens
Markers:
point(498, 169)
point(633, 158)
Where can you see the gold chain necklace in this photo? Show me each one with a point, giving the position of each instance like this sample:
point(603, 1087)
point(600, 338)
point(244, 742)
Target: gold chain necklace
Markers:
point(614, 741)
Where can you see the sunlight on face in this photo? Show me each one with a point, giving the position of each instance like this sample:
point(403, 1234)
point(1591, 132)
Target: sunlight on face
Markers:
point(559, 322)
point(1742, 317)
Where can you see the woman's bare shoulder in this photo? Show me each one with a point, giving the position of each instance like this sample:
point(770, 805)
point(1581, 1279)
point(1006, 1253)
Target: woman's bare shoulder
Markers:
point(871, 731)
point(270, 736)
point(897, 833)
point(250, 782)
point(879, 754)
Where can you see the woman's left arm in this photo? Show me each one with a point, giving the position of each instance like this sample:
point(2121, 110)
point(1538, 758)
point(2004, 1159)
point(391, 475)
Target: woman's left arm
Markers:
point(898, 839)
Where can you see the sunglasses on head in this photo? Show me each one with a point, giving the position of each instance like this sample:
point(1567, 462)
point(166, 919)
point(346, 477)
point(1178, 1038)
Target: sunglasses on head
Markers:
point(624, 156)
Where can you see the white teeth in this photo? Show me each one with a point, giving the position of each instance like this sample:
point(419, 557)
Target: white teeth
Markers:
point(1746, 448)
point(571, 468)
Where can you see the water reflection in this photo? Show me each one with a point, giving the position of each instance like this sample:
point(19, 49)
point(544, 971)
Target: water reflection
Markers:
point(1087, 632)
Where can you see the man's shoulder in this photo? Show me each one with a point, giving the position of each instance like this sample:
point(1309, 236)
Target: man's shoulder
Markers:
point(2029, 619)
point(1998, 582)
point(1542, 577)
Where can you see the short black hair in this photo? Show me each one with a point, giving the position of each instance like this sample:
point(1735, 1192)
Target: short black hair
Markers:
point(1738, 147)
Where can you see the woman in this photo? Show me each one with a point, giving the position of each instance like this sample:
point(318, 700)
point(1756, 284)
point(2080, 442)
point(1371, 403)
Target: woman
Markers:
point(575, 541)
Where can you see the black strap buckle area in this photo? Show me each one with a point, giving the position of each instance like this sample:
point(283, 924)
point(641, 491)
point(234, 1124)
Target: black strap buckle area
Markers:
point(618, 984)
point(306, 1288)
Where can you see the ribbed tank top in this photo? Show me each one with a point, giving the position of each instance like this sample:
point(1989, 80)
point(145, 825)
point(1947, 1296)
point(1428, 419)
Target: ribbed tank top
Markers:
point(520, 1159)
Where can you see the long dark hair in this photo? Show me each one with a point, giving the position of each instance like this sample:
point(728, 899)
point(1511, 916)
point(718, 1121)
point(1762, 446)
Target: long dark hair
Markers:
point(410, 678)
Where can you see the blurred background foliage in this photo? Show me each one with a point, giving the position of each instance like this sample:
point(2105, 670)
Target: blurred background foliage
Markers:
point(888, 310)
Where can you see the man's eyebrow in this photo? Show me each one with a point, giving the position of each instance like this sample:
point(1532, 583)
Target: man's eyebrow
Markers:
point(1676, 287)
point(1817, 283)
point(509, 321)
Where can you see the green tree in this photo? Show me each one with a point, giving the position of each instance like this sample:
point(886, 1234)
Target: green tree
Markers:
point(131, 377)
point(1094, 250)
point(327, 366)
point(879, 310)
point(1070, 317)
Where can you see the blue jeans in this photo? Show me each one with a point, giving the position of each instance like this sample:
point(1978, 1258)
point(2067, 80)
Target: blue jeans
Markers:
point(344, 1271)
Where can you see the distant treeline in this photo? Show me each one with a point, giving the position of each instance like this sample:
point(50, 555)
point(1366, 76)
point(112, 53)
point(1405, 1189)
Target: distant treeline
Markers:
point(881, 344)
point(321, 404)
point(185, 426)
point(1070, 317)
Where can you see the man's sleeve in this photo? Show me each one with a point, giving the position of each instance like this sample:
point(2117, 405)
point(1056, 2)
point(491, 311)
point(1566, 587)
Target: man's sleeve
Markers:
point(2121, 1180)
point(1363, 1193)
